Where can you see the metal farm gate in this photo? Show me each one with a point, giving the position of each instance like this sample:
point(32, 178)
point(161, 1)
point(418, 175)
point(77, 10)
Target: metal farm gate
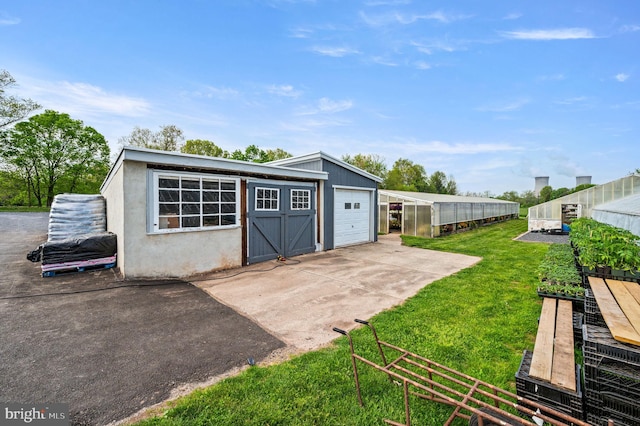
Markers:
point(280, 220)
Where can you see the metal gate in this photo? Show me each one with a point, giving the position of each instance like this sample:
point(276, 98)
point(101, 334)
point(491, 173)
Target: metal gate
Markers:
point(280, 220)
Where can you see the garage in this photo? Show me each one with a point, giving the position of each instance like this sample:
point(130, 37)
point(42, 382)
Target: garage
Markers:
point(346, 200)
point(352, 216)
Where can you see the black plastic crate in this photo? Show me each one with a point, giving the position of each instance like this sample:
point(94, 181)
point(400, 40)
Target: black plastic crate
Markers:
point(592, 315)
point(562, 400)
point(601, 419)
point(608, 405)
point(613, 377)
point(578, 320)
point(599, 346)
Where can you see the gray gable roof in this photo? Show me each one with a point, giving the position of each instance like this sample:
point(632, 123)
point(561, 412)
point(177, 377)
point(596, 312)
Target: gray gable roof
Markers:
point(319, 155)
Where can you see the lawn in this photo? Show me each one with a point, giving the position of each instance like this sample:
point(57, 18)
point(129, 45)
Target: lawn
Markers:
point(477, 321)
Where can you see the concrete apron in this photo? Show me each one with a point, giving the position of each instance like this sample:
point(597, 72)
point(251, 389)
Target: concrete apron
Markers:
point(301, 301)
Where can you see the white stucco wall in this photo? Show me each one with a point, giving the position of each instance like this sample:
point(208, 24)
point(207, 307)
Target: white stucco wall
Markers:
point(114, 197)
point(177, 254)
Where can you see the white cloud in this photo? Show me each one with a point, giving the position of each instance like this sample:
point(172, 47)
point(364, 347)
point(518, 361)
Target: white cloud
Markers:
point(393, 18)
point(335, 52)
point(556, 34)
point(572, 101)
point(439, 147)
point(8, 20)
point(630, 28)
point(384, 61)
point(301, 32)
point(84, 98)
point(552, 77)
point(504, 107)
point(512, 16)
point(285, 90)
point(622, 77)
point(421, 65)
point(213, 92)
point(326, 106)
point(437, 45)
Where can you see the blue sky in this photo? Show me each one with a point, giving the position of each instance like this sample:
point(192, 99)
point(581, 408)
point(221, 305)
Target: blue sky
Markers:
point(493, 93)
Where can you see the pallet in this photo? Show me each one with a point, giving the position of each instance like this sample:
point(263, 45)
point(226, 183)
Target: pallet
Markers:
point(57, 272)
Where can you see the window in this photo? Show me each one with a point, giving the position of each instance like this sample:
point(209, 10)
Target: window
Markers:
point(347, 206)
point(356, 205)
point(191, 201)
point(267, 199)
point(300, 199)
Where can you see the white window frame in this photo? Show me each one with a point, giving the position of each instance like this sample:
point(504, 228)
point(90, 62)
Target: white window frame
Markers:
point(271, 192)
point(306, 199)
point(155, 199)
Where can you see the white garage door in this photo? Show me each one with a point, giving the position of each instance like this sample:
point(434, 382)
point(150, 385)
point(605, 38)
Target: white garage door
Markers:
point(352, 217)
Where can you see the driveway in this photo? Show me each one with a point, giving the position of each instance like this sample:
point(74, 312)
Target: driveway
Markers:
point(108, 348)
point(306, 296)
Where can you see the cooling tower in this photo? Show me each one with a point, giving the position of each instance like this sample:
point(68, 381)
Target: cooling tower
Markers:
point(541, 182)
point(581, 180)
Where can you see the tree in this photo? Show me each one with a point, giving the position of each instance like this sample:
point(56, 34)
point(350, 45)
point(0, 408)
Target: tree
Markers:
point(276, 154)
point(545, 194)
point(254, 154)
point(438, 183)
point(371, 163)
point(13, 109)
point(203, 147)
point(168, 138)
point(406, 176)
point(54, 153)
point(560, 192)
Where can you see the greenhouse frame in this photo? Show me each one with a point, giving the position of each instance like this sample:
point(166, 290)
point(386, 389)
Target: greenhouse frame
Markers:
point(554, 214)
point(432, 215)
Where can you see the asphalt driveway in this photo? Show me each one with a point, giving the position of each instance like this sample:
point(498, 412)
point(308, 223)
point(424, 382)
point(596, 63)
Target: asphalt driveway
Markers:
point(111, 348)
point(108, 348)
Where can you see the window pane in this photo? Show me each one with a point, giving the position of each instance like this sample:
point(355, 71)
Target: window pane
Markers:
point(347, 206)
point(260, 204)
point(356, 205)
point(191, 222)
point(210, 208)
point(211, 220)
point(260, 193)
point(166, 196)
point(169, 222)
point(210, 196)
point(208, 184)
point(191, 209)
point(190, 196)
point(228, 186)
point(228, 220)
point(228, 197)
point(166, 209)
point(168, 183)
point(191, 183)
point(228, 208)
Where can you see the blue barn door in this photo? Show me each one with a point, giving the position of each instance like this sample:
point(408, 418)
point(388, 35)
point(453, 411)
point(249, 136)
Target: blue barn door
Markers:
point(280, 220)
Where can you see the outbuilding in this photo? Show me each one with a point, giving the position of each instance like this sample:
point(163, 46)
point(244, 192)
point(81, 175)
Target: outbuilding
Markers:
point(348, 198)
point(612, 203)
point(430, 215)
point(178, 214)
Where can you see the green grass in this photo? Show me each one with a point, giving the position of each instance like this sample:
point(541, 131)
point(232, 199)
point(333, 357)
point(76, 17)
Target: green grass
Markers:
point(477, 321)
point(22, 209)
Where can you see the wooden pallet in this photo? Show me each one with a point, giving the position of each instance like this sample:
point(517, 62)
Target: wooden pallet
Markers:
point(71, 270)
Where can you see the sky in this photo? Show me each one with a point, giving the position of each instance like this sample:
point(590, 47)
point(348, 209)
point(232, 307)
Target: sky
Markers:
point(492, 93)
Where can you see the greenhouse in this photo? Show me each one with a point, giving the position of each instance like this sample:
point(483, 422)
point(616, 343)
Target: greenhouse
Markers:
point(432, 215)
point(590, 202)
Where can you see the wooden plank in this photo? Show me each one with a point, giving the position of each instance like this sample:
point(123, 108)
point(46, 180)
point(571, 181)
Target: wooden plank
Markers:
point(627, 302)
point(542, 358)
point(634, 288)
point(618, 324)
point(563, 371)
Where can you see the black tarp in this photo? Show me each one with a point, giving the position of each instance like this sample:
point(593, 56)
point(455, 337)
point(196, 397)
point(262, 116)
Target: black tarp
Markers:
point(82, 247)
